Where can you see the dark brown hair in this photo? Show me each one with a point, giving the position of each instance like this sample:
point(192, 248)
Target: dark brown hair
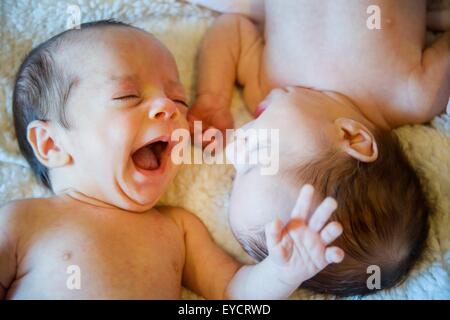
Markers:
point(383, 212)
point(41, 90)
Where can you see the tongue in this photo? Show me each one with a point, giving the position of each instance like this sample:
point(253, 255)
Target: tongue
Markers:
point(146, 159)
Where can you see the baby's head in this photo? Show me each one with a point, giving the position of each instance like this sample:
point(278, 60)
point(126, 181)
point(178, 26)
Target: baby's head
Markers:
point(327, 142)
point(94, 109)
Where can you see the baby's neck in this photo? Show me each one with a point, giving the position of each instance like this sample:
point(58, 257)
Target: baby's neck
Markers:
point(369, 111)
point(61, 187)
point(373, 112)
point(85, 199)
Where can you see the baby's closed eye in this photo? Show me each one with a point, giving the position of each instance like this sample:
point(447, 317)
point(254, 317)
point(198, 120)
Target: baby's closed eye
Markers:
point(126, 97)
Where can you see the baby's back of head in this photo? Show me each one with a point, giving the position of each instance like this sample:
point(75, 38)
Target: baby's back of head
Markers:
point(383, 212)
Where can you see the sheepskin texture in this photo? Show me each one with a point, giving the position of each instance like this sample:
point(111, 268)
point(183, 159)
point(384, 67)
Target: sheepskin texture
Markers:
point(205, 189)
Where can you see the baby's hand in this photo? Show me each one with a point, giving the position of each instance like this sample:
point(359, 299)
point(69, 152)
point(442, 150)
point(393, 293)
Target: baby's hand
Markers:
point(300, 249)
point(212, 113)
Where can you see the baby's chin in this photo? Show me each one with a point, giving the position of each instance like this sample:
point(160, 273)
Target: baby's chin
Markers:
point(138, 190)
point(245, 216)
point(257, 200)
point(144, 200)
point(129, 196)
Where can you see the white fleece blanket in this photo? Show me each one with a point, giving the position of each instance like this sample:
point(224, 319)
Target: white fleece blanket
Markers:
point(205, 189)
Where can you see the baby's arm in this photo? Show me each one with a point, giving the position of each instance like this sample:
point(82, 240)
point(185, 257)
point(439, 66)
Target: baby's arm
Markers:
point(253, 9)
point(7, 249)
point(230, 52)
point(429, 85)
point(207, 268)
point(296, 253)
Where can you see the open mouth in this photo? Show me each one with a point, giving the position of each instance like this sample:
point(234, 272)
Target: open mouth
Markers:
point(150, 157)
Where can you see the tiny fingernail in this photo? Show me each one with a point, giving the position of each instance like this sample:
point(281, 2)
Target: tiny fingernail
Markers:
point(331, 202)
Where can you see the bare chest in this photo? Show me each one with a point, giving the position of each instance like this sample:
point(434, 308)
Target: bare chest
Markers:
point(101, 258)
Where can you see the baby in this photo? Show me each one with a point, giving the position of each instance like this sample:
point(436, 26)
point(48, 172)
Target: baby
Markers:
point(349, 72)
point(94, 110)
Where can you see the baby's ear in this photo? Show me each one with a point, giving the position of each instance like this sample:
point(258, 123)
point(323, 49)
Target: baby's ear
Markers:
point(356, 140)
point(41, 136)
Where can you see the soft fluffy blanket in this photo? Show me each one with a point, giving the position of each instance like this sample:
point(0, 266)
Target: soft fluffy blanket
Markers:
point(205, 189)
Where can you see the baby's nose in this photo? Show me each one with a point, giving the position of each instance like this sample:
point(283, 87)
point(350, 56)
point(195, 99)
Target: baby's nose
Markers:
point(164, 109)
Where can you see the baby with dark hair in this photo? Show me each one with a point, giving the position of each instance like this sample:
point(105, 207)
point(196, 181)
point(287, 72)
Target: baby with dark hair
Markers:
point(94, 111)
point(335, 78)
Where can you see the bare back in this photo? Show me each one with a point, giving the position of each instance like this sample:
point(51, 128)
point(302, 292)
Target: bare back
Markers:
point(328, 46)
point(305, 47)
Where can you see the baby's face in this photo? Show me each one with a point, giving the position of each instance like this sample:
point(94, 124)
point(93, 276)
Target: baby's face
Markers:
point(127, 101)
point(306, 121)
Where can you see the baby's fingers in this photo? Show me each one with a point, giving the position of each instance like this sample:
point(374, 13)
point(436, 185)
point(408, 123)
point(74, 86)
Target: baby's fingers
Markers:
point(285, 248)
point(322, 214)
point(279, 246)
point(303, 204)
point(331, 232)
point(194, 121)
point(334, 255)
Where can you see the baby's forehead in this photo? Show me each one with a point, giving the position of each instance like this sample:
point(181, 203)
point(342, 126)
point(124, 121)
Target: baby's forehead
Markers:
point(96, 37)
point(107, 48)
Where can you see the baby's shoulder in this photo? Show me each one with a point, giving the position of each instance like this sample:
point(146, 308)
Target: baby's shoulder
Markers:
point(14, 208)
point(23, 205)
point(16, 211)
point(182, 218)
point(12, 215)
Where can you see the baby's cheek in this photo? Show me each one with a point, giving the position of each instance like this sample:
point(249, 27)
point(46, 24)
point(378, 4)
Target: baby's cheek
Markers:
point(119, 129)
